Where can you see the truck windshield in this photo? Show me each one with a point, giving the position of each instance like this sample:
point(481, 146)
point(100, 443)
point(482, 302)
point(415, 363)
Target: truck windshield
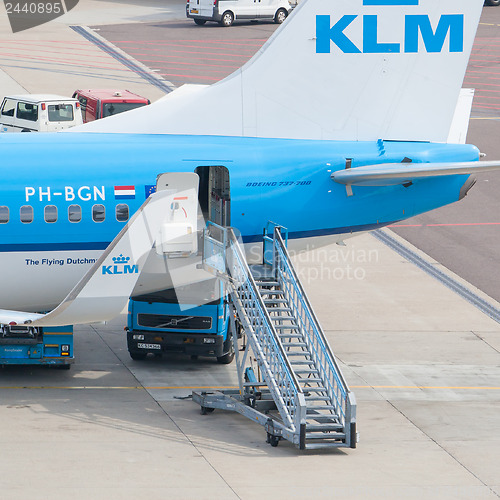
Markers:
point(203, 293)
point(113, 108)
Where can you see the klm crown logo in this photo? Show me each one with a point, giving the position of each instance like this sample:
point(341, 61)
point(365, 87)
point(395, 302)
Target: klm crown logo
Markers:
point(415, 26)
point(121, 266)
point(121, 259)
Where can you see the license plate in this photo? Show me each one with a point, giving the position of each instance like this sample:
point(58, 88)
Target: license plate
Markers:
point(194, 11)
point(141, 345)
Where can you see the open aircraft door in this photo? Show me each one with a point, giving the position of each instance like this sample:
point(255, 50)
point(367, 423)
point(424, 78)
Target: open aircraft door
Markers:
point(215, 196)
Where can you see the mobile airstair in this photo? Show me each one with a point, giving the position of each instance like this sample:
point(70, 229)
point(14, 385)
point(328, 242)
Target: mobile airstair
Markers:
point(289, 380)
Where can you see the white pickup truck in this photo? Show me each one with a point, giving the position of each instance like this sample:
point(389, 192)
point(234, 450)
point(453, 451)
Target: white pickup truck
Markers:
point(225, 12)
point(39, 113)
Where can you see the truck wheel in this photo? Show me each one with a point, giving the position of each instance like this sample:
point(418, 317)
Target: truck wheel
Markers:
point(138, 356)
point(493, 3)
point(227, 358)
point(200, 22)
point(281, 16)
point(227, 19)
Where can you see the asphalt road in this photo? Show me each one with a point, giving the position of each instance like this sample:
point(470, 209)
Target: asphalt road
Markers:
point(464, 237)
point(183, 52)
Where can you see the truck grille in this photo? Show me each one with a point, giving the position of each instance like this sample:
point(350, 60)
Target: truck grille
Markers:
point(175, 322)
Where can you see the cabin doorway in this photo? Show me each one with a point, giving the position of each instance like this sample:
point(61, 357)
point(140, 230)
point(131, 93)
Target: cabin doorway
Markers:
point(214, 194)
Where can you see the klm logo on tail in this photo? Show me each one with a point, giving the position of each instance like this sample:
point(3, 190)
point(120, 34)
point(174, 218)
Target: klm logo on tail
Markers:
point(414, 25)
point(121, 266)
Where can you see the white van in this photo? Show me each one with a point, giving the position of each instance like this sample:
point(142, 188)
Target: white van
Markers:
point(39, 113)
point(226, 11)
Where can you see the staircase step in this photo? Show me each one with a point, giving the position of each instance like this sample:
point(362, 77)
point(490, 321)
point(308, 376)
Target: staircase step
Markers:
point(275, 301)
point(309, 410)
point(294, 344)
point(286, 327)
point(317, 398)
point(290, 336)
point(337, 436)
point(324, 427)
point(313, 389)
point(306, 372)
point(322, 446)
point(323, 420)
point(282, 318)
point(278, 309)
point(310, 380)
point(301, 363)
point(301, 353)
point(264, 282)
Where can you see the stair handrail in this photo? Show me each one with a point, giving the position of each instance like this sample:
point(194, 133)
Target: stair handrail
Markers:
point(293, 414)
point(284, 263)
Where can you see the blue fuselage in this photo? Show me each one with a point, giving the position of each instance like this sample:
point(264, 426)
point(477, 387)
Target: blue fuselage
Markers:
point(65, 196)
point(284, 180)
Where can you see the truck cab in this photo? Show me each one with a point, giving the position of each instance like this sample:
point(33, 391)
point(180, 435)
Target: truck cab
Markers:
point(39, 113)
point(100, 103)
point(192, 319)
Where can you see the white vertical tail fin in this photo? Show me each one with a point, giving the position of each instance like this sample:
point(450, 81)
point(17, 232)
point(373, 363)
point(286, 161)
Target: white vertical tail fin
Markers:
point(336, 69)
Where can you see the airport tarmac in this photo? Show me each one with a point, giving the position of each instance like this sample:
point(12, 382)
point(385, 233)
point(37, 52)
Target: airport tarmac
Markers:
point(423, 362)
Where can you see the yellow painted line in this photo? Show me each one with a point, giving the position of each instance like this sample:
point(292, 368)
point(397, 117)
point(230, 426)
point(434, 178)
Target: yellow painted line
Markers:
point(487, 118)
point(419, 387)
point(126, 388)
point(192, 388)
point(178, 387)
point(66, 387)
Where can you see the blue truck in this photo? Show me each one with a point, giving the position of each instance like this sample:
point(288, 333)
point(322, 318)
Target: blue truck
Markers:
point(191, 319)
point(24, 345)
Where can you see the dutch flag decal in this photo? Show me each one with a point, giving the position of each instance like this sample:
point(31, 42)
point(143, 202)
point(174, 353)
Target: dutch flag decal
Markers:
point(124, 192)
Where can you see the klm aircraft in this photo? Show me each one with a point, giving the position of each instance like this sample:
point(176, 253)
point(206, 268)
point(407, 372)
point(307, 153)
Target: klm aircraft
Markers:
point(349, 118)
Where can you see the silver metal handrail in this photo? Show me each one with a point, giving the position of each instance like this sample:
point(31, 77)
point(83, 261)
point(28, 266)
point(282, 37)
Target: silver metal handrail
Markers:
point(264, 340)
point(318, 345)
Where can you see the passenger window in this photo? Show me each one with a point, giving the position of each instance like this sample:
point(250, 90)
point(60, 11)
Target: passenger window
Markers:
point(75, 213)
point(122, 212)
point(60, 112)
point(98, 213)
point(9, 107)
point(27, 111)
point(50, 213)
point(26, 214)
point(4, 215)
